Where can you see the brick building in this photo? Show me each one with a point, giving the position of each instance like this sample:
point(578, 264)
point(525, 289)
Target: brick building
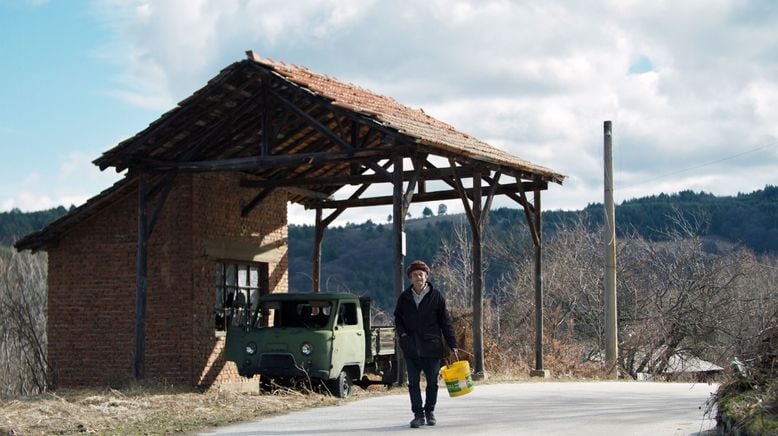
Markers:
point(92, 282)
point(140, 275)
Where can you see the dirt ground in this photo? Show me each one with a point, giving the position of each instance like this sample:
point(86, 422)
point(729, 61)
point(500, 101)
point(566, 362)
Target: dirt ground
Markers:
point(150, 410)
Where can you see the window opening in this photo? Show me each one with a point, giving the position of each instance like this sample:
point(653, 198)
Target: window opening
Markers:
point(238, 287)
point(347, 315)
point(306, 314)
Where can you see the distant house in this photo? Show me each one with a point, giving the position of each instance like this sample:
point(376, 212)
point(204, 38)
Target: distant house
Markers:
point(141, 277)
point(685, 366)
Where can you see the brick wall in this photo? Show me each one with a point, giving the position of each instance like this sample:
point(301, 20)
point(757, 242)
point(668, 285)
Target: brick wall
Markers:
point(92, 286)
point(91, 298)
point(218, 200)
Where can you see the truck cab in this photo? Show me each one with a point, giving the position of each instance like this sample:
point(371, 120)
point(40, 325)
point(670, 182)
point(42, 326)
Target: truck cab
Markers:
point(310, 337)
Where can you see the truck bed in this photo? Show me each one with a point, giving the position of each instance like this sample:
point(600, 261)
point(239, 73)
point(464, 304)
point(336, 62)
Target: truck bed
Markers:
point(381, 340)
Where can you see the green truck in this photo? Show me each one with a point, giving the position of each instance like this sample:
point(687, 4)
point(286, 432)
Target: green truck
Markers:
point(315, 338)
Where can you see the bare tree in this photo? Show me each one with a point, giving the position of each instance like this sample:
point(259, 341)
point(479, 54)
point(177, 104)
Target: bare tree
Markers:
point(23, 323)
point(453, 269)
point(679, 298)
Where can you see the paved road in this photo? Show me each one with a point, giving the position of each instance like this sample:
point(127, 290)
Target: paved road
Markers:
point(538, 408)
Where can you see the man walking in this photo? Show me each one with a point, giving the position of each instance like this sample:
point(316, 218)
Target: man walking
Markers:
point(422, 322)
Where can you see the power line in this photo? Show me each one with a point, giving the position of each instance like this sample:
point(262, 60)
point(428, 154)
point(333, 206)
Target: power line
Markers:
point(702, 165)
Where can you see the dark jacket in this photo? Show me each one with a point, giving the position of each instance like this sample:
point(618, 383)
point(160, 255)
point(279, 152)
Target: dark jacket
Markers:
point(421, 330)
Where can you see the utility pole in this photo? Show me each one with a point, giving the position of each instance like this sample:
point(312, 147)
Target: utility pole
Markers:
point(611, 329)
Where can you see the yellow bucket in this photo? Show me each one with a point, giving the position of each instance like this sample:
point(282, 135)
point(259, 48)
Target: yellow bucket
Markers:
point(457, 377)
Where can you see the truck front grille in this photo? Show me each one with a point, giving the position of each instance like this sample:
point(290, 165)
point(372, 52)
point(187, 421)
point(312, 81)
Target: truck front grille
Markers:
point(269, 361)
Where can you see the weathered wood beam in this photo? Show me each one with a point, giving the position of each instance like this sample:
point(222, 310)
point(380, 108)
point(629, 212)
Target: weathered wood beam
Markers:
point(265, 148)
point(463, 173)
point(483, 165)
point(417, 198)
point(463, 194)
point(529, 213)
point(332, 106)
point(256, 162)
point(155, 127)
point(478, 279)
point(164, 186)
point(538, 224)
point(141, 282)
point(323, 129)
point(317, 239)
point(307, 193)
point(418, 165)
point(254, 202)
point(488, 204)
point(398, 240)
point(231, 120)
point(426, 174)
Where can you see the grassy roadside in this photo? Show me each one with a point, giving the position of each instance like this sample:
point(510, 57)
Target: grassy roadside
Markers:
point(158, 410)
point(749, 409)
point(149, 410)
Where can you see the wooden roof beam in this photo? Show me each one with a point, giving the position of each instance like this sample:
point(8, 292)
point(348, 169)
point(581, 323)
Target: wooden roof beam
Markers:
point(323, 129)
point(419, 197)
point(256, 162)
point(426, 174)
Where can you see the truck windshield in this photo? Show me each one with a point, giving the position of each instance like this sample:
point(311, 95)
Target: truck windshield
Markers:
point(307, 314)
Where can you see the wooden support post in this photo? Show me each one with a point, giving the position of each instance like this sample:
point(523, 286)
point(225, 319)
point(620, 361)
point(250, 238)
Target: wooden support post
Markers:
point(266, 130)
point(317, 239)
point(539, 371)
point(398, 221)
point(478, 279)
point(141, 281)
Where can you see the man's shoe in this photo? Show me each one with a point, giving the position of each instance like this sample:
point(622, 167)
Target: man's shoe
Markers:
point(418, 421)
point(430, 418)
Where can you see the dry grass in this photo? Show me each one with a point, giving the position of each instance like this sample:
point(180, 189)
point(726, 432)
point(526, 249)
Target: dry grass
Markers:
point(149, 410)
point(157, 410)
point(143, 410)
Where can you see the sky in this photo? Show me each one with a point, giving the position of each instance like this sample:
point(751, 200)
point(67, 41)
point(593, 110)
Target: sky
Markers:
point(691, 87)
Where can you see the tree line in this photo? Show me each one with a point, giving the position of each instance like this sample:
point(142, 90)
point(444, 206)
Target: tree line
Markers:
point(357, 257)
point(675, 299)
point(15, 224)
point(681, 291)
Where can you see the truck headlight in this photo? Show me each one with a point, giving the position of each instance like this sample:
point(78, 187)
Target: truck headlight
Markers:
point(251, 348)
point(306, 349)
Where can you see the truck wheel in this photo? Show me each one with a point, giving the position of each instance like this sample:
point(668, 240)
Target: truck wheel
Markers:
point(341, 386)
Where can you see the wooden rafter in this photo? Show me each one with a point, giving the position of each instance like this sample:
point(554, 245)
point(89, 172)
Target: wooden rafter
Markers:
point(419, 197)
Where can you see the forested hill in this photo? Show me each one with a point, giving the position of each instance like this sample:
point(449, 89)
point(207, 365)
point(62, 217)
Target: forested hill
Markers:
point(748, 219)
point(16, 224)
point(357, 256)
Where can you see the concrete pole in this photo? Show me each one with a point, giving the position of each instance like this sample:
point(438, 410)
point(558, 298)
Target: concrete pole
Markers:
point(611, 327)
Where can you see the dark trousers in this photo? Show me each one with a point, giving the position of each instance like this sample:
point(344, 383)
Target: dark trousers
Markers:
point(430, 366)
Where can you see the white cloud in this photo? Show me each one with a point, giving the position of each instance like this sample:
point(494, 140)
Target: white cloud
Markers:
point(537, 78)
point(75, 181)
point(7, 204)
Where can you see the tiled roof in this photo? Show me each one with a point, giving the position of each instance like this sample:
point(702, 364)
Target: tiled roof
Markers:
point(406, 120)
point(223, 121)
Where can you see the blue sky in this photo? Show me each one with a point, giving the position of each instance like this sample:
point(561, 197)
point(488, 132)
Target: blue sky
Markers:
point(58, 113)
point(691, 87)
